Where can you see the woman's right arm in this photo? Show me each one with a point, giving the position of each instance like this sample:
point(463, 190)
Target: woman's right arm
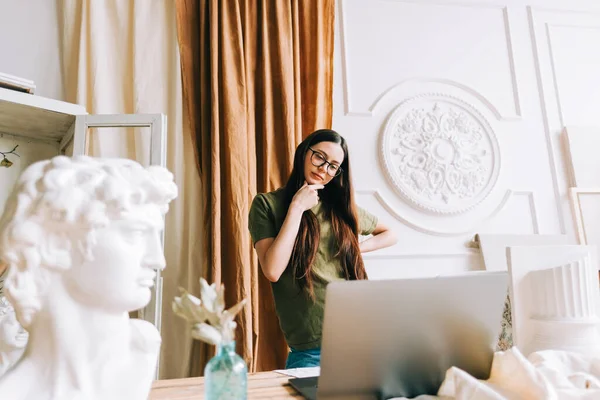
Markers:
point(274, 253)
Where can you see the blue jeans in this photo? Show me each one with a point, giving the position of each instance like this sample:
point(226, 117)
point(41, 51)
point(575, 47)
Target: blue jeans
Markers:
point(303, 358)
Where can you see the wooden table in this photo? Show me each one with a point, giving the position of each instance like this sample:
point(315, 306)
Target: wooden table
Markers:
point(261, 385)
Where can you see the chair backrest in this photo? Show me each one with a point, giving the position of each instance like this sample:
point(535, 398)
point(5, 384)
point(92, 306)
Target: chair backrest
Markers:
point(555, 296)
point(493, 247)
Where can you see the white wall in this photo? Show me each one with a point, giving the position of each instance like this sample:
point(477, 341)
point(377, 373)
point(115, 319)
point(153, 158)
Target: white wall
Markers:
point(513, 73)
point(29, 48)
point(29, 44)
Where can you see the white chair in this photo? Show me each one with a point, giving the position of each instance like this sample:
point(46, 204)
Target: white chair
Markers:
point(493, 250)
point(555, 295)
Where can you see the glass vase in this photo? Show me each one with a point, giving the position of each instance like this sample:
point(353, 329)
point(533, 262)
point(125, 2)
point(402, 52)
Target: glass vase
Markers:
point(226, 375)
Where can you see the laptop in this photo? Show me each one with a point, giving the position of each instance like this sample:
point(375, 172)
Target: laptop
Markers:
point(397, 338)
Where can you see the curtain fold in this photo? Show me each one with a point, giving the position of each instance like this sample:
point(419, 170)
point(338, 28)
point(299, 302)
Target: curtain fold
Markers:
point(257, 78)
point(123, 57)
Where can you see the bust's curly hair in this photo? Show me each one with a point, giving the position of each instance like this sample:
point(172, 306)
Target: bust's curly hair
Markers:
point(79, 195)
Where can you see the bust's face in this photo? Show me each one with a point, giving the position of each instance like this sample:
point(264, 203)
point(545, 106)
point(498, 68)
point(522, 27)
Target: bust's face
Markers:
point(126, 255)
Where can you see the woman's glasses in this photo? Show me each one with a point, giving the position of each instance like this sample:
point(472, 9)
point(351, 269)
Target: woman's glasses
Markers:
point(318, 160)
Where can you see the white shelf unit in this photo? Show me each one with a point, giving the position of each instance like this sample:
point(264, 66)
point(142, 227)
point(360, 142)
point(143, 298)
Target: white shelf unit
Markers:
point(43, 128)
point(31, 118)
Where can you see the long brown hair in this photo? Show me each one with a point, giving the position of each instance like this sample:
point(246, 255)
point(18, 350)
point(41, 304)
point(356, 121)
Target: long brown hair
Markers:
point(338, 204)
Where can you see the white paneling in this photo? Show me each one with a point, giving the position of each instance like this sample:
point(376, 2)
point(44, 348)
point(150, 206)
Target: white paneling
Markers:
point(522, 216)
point(562, 43)
point(513, 66)
point(424, 265)
point(571, 48)
point(29, 44)
point(407, 40)
point(439, 225)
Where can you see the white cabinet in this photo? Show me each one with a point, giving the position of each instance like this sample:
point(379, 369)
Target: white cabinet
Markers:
point(42, 128)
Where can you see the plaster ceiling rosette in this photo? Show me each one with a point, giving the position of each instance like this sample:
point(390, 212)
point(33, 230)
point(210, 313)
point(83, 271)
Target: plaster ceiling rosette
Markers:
point(440, 154)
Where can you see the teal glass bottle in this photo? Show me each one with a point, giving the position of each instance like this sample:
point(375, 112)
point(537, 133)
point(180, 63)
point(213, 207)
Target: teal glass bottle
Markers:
point(226, 375)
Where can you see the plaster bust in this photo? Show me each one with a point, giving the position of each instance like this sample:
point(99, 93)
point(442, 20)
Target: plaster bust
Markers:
point(81, 237)
point(13, 337)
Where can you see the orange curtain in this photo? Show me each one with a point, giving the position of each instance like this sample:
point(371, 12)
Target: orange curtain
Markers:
point(257, 78)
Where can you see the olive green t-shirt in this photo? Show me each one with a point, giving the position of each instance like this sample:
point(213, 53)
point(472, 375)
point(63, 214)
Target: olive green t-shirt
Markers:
point(300, 317)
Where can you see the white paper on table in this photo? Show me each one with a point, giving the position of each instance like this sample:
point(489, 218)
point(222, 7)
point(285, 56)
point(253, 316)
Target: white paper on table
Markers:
point(300, 372)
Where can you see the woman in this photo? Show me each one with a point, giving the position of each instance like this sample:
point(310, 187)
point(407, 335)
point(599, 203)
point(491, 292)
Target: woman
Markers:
point(306, 235)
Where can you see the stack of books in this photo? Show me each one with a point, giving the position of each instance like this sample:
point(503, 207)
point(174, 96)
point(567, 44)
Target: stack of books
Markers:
point(15, 83)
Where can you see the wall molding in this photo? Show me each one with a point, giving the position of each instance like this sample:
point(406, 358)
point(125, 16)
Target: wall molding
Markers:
point(532, 208)
point(583, 11)
point(405, 256)
point(376, 106)
point(376, 193)
point(551, 52)
point(531, 199)
point(545, 117)
point(541, 40)
point(346, 73)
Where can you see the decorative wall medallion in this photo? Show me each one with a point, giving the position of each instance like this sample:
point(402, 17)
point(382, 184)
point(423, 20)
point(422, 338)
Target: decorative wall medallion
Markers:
point(440, 153)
